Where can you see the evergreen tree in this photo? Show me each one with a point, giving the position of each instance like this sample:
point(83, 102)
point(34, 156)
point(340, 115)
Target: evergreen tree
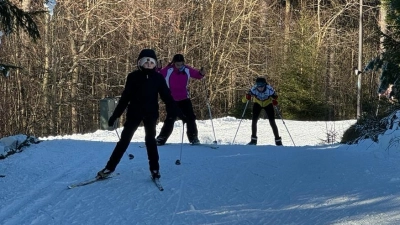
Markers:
point(389, 61)
point(12, 18)
point(392, 45)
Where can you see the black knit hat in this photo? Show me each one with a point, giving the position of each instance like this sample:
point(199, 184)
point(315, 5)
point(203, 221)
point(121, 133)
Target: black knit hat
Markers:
point(147, 53)
point(178, 58)
point(260, 82)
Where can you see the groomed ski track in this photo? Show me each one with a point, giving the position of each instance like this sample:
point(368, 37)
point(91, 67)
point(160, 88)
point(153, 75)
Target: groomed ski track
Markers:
point(226, 185)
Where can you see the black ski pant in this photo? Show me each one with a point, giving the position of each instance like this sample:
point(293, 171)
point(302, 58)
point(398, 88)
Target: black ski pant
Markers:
point(269, 109)
point(186, 114)
point(130, 127)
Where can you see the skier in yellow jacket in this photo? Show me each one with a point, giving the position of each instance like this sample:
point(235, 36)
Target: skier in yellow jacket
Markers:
point(263, 97)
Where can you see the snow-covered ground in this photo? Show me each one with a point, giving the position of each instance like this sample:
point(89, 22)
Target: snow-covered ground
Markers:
point(309, 183)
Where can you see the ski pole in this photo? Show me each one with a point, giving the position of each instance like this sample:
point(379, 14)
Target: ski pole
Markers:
point(209, 111)
point(244, 111)
point(178, 161)
point(280, 116)
point(117, 134)
point(212, 125)
point(130, 156)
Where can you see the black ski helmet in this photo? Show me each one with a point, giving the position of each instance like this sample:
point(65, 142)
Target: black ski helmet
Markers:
point(261, 82)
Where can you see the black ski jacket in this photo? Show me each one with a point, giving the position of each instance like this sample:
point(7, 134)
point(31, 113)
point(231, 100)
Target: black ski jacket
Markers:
point(140, 95)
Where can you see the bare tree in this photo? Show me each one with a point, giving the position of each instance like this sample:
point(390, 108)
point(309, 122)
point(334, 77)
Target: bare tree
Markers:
point(305, 49)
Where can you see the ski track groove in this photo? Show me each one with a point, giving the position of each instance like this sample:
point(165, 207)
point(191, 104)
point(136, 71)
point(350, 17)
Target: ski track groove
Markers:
point(178, 202)
point(27, 205)
point(40, 195)
point(203, 190)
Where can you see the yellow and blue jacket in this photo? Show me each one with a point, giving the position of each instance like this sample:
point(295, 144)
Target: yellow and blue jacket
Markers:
point(262, 98)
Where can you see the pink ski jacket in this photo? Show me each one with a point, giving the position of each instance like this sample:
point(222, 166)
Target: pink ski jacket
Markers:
point(178, 81)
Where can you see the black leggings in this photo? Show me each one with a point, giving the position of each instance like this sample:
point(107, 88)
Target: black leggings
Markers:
point(130, 127)
point(269, 109)
point(186, 114)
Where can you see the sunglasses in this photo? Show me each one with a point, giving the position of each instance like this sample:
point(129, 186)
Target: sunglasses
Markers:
point(260, 85)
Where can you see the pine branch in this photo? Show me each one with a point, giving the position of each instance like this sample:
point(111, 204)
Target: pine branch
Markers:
point(12, 18)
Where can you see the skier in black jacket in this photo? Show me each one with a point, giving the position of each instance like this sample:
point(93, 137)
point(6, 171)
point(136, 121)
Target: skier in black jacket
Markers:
point(140, 96)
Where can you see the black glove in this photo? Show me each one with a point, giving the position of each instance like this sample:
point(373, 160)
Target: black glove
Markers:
point(111, 121)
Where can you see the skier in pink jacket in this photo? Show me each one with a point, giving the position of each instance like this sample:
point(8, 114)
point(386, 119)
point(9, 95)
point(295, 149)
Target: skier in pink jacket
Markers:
point(177, 76)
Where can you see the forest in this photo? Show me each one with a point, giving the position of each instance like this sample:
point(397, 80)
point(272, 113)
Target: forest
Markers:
point(306, 49)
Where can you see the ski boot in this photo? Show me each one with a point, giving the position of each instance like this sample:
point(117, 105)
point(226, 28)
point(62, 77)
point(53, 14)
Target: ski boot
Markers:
point(253, 141)
point(195, 141)
point(161, 140)
point(155, 174)
point(278, 141)
point(104, 173)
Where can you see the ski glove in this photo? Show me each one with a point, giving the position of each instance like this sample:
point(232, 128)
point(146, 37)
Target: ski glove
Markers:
point(111, 121)
point(274, 102)
point(248, 96)
point(159, 64)
point(202, 71)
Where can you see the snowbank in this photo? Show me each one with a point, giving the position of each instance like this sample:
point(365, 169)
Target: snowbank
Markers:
point(13, 144)
point(391, 138)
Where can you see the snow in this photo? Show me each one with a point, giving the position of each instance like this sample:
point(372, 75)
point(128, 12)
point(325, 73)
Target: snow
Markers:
point(310, 183)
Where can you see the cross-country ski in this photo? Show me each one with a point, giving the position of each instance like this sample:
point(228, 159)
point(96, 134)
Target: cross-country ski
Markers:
point(90, 181)
point(213, 146)
point(157, 182)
